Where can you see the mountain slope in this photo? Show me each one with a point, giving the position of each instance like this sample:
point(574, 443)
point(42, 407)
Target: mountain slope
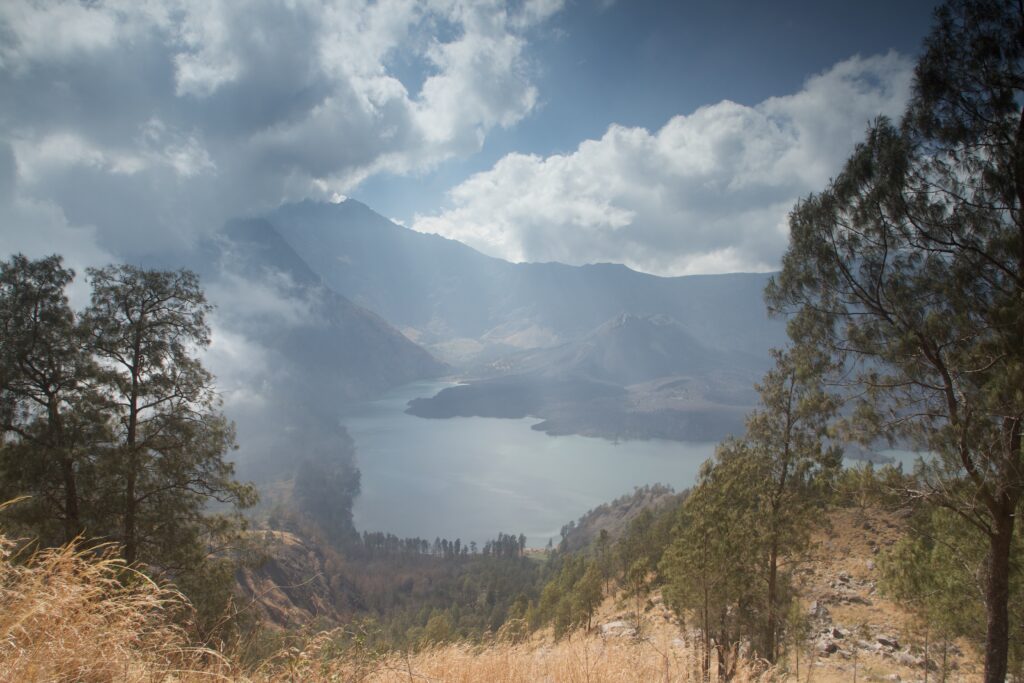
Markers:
point(290, 354)
point(599, 350)
point(335, 349)
point(626, 350)
point(632, 377)
point(465, 305)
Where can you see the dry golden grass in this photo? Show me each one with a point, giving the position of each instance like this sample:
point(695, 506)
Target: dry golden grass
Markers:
point(578, 659)
point(81, 615)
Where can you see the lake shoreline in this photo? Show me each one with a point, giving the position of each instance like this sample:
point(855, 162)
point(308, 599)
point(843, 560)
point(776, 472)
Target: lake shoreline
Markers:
point(475, 477)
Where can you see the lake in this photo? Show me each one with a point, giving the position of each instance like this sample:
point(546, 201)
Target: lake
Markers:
point(473, 477)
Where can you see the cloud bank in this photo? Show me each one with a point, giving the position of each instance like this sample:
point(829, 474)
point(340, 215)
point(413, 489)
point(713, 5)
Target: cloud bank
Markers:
point(149, 123)
point(707, 193)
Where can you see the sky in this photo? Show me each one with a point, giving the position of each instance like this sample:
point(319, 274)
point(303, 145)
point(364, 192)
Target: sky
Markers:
point(673, 137)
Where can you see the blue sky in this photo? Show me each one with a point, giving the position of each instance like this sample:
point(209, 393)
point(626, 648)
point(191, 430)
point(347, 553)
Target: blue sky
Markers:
point(671, 136)
point(639, 63)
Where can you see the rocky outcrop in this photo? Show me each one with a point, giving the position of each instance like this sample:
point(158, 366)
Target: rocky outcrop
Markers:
point(853, 625)
point(295, 582)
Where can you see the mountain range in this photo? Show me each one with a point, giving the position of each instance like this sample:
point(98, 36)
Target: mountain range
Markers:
point(466, 307)
point(600, 349)
point(321, 307)
point(333, 304)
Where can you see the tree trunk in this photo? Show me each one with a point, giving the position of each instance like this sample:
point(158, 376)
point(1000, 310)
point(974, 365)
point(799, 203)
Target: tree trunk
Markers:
point(72, 514)
point(997, 597)
point(639, 606)
point(773, 553)
point(927, 632)
point(131, 545)
point(706, 658)
point(945, 653)
point(720, 647)
point(773, 569)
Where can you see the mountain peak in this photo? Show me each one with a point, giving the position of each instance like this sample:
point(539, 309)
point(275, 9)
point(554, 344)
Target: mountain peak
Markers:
point(627, 319)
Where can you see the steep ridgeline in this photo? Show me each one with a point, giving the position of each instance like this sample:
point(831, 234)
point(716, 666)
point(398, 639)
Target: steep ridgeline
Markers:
point(466, 307)
point(289, 353)
point(331, 346)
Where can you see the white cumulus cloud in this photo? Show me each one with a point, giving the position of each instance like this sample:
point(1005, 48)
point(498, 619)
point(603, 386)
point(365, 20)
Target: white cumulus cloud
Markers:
point(708, 192)
point(153, 121)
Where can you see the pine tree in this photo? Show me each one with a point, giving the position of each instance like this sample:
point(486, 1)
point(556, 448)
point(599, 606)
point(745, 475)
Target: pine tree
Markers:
point(794, 466)
point(587, 593)
point(754, 507)
point(48, 408)
point(145, 328)
point(710, 568)
point(909, 269)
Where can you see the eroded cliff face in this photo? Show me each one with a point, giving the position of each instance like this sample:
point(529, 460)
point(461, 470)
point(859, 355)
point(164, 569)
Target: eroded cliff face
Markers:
point(296, 583)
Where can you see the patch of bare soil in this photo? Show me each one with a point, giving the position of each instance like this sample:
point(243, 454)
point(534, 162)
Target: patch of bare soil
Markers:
point(853, 626)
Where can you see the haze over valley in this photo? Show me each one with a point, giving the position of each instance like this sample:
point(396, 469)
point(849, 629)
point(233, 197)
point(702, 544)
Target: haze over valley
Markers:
point(599, 351)
point(607, 283)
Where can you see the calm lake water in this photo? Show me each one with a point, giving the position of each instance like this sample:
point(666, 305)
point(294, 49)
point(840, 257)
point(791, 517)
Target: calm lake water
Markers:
point(473, 477)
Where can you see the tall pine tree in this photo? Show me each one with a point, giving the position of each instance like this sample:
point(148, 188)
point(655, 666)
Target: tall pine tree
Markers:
point(909, 269)
point(146, 328)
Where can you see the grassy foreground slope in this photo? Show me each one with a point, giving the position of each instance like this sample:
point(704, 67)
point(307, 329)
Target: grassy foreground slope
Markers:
point(69, 615)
